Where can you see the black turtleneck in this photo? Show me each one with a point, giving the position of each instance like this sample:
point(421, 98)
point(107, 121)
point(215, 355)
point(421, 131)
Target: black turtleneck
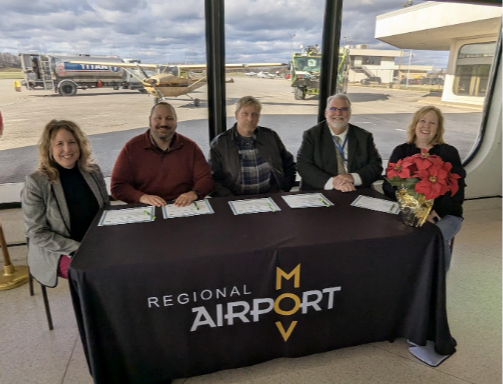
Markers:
point(80, 199)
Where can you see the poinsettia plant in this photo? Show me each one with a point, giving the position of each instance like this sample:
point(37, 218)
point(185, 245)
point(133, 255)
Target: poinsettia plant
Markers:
point(423, 173)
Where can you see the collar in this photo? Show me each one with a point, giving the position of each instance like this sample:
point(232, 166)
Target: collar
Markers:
point(342, 136)
point(235, 134)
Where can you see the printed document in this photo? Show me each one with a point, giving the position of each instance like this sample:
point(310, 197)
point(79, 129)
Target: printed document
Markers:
point(199, 207)
point(375, 204)
point(307, 200)
point(127, 216)
point(266, 204)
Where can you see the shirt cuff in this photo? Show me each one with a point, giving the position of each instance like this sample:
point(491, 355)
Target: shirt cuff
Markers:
point(329, 184)
point(357, 178)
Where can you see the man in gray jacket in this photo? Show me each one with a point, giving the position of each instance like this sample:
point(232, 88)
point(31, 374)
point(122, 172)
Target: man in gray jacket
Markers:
point(249, 159)
point(337, 155)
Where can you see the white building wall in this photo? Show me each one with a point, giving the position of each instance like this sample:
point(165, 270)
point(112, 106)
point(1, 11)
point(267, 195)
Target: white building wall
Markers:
point(484, 173)
point(431, 25)
point(384, 71)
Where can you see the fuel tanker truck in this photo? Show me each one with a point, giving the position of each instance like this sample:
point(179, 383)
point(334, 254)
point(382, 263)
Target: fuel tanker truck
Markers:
point(56, 72)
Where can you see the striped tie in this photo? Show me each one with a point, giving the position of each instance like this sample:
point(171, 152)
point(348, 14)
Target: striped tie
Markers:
point(340, 161)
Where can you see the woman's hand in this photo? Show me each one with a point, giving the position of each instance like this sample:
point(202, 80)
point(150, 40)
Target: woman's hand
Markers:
point(433, 217)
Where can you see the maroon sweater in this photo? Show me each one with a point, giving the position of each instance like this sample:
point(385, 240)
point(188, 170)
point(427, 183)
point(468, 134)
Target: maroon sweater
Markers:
point(142, 168)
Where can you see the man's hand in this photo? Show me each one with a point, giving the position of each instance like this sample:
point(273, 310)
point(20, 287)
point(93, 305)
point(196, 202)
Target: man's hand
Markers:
point(344, 183)
point(348, 187)
point(153, 200)
point(433, 217)
point(185, 199)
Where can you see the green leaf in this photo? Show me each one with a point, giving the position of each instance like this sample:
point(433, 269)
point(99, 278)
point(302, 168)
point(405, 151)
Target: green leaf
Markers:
point(410, 183)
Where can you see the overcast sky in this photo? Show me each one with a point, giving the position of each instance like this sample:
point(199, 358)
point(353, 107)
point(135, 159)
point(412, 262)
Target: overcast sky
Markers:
point(160, 31)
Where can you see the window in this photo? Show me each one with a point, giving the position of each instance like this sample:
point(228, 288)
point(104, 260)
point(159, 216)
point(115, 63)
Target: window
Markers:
point(371, 60)
point(472, 69)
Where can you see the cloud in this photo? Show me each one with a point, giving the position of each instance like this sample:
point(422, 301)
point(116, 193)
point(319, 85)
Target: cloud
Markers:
point(168, 30)
point(122, 6)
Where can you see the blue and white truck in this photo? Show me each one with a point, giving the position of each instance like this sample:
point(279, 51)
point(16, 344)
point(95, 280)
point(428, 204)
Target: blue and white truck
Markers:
point(56, 72)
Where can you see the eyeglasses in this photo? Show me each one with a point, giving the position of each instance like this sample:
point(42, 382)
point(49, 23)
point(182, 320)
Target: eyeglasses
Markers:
point(343, 109)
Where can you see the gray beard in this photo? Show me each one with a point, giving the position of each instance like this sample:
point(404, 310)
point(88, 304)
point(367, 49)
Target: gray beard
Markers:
point(338, 126)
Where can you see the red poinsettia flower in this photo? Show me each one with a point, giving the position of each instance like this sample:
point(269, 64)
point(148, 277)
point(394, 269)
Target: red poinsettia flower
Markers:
point(424, 160)
point(427, 174)
point(430, 188)
point(452, 179)
point(400, 169)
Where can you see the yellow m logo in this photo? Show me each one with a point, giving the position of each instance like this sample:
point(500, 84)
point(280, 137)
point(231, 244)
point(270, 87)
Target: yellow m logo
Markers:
point(295, 272)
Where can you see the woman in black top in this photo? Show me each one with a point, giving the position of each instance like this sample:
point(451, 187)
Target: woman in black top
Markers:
point(426, 130)
point(60, 200)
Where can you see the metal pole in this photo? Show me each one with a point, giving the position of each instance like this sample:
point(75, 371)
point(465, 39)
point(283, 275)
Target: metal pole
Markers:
point(12, 277)
point(330, 53)
point(408, 69)
point(215, 70)
point(399, 74)
point(3, 245)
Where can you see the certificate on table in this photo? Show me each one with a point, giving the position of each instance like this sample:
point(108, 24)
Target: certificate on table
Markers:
point(127, 216)
point(307, 200)
point(199, 207)
point(375, 204)
point(241, 207)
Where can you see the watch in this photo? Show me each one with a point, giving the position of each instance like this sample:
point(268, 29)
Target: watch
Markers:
point(197, 193)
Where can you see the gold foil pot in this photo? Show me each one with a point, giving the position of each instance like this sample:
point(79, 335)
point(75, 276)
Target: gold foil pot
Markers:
point(413, 211)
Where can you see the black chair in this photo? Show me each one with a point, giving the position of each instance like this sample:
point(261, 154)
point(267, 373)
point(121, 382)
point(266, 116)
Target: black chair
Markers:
point(46, 301)
point(44, 288)
point(44, 295)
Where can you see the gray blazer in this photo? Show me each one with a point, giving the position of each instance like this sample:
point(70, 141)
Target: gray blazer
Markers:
point(317, 160)
point(47, 221)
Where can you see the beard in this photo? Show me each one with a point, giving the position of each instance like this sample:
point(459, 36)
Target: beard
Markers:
point(165, 135)
point(337, 125)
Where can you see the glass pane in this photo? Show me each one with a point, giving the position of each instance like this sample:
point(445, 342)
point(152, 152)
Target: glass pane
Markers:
point(419, 51)
point(110, 103)
point(477, 50)
point(472, 69)
point(272, 33)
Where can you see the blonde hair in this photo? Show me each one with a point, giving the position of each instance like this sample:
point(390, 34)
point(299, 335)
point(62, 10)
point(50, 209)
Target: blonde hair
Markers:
point(46, 162)
point(247, 101)
point(439, 135)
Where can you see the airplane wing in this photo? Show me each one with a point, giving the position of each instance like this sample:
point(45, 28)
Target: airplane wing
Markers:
point(119, 64)
point(203, 66)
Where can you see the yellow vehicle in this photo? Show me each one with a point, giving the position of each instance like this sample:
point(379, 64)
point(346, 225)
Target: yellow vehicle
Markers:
point(305, 72)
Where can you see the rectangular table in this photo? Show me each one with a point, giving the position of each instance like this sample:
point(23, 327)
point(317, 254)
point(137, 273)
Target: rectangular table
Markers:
point(188, 296)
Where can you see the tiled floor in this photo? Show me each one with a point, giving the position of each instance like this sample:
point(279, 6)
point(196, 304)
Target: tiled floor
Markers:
point(30, 353)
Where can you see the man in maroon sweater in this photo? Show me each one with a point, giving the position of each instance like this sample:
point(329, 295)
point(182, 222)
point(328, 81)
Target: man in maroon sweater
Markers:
point(161, 165)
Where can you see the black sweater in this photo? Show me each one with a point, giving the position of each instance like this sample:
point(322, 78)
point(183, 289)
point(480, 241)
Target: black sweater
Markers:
point(80, 199)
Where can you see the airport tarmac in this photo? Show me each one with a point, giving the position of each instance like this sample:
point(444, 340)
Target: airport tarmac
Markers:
point(110, 118)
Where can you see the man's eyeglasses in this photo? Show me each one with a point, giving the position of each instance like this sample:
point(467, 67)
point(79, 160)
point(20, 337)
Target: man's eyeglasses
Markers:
point(343, 109)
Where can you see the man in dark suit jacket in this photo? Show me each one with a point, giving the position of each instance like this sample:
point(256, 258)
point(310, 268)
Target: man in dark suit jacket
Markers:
point(337, 155)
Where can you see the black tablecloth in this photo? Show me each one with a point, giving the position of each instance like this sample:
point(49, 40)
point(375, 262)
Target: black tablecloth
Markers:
point(188, 296)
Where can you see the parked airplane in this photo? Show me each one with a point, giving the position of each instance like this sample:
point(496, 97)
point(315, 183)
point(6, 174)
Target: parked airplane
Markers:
point(265, 75)
point(172, 81)
point(251, 74)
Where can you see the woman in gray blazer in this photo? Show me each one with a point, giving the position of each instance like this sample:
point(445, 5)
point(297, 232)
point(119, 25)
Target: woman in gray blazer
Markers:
point(60, 200)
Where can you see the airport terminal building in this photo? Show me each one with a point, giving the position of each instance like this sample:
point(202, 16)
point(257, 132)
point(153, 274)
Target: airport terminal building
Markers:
point(469, 32)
